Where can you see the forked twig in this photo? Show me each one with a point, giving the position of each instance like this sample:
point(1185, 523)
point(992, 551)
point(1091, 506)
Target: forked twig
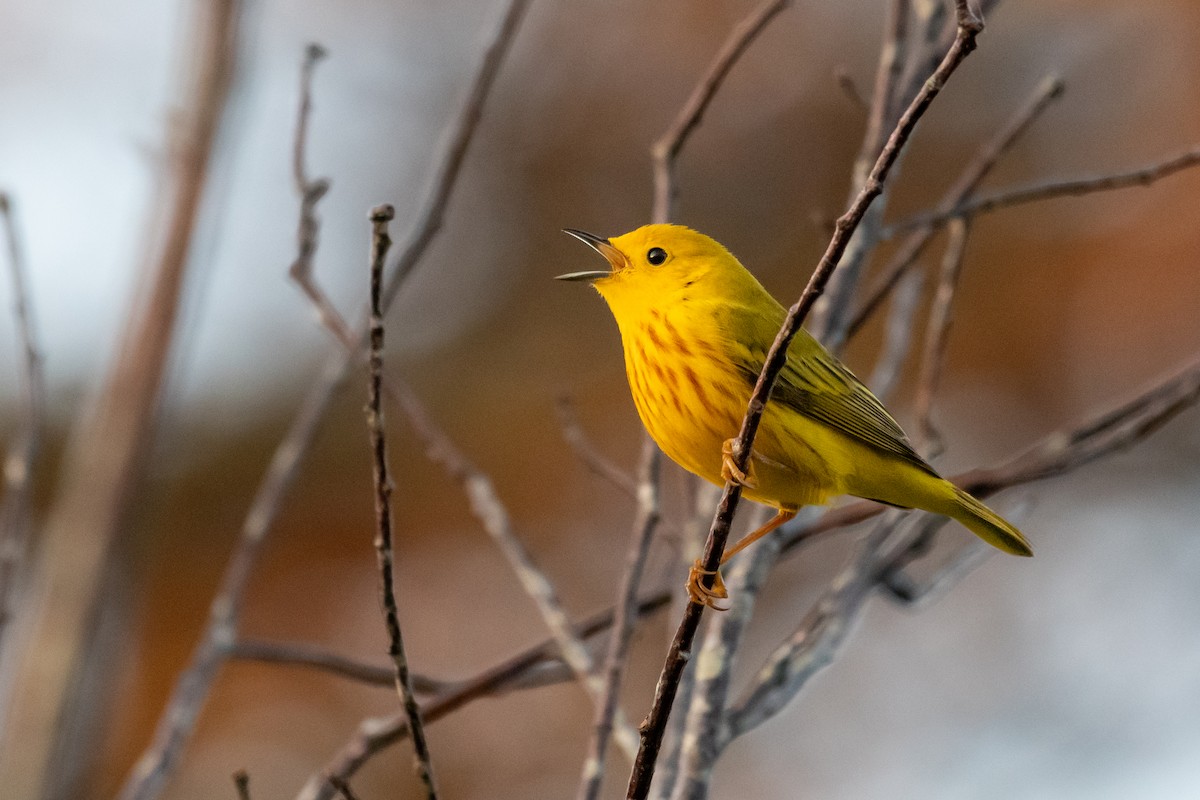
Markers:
point(1050, 88)
point(969, 27)
point(1007, 198)
point(1055, 454)
point(645, 523)
point(193, 686)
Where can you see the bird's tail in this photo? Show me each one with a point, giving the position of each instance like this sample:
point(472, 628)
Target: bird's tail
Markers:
point(987, 524)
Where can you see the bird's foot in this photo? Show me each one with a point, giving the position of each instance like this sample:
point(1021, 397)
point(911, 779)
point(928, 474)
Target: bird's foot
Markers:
point(729, 468)
point(715, 596)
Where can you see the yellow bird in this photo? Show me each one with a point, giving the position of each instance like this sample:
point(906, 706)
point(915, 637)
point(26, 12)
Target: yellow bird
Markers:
point(696, 327)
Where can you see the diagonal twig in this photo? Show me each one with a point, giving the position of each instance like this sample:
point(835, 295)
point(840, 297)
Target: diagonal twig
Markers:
point(193, 686)
point(968, 29)
point(380, 242)
point(667, 147)
point(1050, 88)
point(591, 457)
point(647, 518)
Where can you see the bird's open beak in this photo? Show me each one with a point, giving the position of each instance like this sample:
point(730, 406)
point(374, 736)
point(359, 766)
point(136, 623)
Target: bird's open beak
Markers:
point(616, 259)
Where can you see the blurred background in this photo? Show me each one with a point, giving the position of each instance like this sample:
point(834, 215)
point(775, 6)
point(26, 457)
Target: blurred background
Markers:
point(1076, 674)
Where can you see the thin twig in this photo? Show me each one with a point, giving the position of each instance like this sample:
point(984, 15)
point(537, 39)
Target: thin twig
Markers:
point(458, 143)
point(1055, 454)
point(1047, 90)
point(192, 687)
point(1049, 190)
point(343, 789)
point(937, 336)
point(52, 717)
point(648, 514)
point(22, 456)
point(846, 83)
point(493, 516)
point(306, 655)
point(897, 336)
point(587, 451)
point(380, 242)
point(241, 782)
point(832, 307)
point(667, 147)
point(310, 191)
point(969, 27)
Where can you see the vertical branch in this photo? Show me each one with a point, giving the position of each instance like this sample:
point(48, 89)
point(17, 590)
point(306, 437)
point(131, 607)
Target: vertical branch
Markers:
point(937, 336)
point(178, 718)
point(828, 312)
point(624, 617)
point(46, 742)
point(15, 512)
point(380, 217)
point(897, 336)
point(969, 26)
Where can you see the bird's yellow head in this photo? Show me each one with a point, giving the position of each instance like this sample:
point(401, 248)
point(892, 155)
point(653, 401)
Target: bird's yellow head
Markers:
point(663, 266)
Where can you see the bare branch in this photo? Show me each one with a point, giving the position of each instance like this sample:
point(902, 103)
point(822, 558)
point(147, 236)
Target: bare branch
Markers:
point(1050, 88)
point(845, 82)
point(644, 525)
point(21, 458)
point(897, 337)
point(667, 147)
point(380, 242)
point(241, 782)
point(461, 134)
point(830, 309)
point(969, 27)
point(937, 337)
point(1053, 455)
point(193, 686)
point(1007, 198)
point(591, 457)
point(50, 731)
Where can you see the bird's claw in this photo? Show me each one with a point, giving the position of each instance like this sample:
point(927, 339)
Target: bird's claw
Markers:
point(729, 468)
point(713, 596)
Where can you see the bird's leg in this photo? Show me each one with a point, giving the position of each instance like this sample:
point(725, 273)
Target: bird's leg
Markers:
point(729, 468)
point(711, 596)
point(781, 516)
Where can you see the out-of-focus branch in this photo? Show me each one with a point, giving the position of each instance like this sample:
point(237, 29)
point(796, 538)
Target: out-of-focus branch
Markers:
point(937, 337)
point(458, 143)
point(16, 516)
point(591, 457)
point(644, 525)
point(897, 336)
point(829, 309)
point(1055, 454)
point(1049, 190)
point(968, 29)
point(48, 737)
point(1050, 88)
point(192, 688)
point(380, 242)
point(668, 146)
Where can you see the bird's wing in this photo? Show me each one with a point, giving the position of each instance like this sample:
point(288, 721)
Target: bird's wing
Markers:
point(816, 384)
point(813, 382)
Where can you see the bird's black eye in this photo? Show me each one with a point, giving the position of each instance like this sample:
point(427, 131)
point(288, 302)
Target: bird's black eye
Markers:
point(656, 256)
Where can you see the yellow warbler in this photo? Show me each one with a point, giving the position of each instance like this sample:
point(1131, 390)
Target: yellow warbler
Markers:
point(696, 327)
